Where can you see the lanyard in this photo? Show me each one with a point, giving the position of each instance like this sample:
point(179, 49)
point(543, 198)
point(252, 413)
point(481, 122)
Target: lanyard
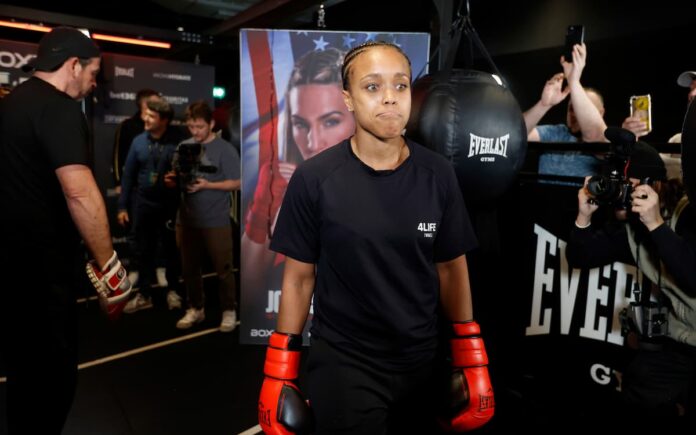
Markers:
point(155, 157)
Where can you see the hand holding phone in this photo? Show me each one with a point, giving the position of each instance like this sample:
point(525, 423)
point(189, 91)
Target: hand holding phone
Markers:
point(575, 34)
point(641, 109)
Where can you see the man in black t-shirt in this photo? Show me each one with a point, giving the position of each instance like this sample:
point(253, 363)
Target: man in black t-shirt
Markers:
point(49, 201)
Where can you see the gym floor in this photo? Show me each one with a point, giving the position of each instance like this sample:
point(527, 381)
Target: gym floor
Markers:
point(141, 375)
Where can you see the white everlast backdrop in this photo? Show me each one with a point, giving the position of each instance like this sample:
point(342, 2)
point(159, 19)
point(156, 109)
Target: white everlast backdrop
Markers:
point(114, 100)
point(267, 60)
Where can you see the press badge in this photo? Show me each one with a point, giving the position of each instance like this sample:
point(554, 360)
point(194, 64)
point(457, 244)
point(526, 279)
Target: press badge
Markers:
point(153, 178)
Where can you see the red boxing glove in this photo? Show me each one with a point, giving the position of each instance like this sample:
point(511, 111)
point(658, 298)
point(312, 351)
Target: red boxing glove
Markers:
point(282, 408)
point(112, 285)
point(471, 401)
point(268, 196)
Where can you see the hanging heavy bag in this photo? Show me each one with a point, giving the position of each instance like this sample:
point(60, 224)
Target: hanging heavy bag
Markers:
point(476, 123)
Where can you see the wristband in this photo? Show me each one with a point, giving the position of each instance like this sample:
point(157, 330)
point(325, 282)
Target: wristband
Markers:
point(582, 227)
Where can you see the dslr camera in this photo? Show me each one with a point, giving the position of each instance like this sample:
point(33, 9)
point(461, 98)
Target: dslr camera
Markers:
point(187, 163)
point(613, 188)
point(645, 318)
point(648, 320)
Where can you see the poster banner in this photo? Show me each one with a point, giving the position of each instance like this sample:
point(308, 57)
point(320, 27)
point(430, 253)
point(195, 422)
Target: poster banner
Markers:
point(291, 109)
point(13, 56)
point(121, 77)
point(178, 82)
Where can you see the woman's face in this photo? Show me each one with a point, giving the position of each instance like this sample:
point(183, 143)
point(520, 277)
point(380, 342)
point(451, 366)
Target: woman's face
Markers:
point(380, 91)
point(319, 117)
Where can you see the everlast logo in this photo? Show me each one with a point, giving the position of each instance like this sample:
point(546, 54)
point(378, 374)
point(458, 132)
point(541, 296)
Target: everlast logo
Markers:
point(488, 145)
point(486, 401)
point(579, 302)
point(14, 60)
point(126, 72)
point(264, 415)
point(557, 289)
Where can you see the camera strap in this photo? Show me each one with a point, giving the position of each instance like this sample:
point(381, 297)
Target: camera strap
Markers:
point(653, 270)
point(641, 291)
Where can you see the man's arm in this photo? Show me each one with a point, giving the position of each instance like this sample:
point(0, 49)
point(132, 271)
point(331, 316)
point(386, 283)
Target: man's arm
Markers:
point(298, 287)
point(455, 290)
point(225, 185)
point(589, 118)
point(591, 123)
point(552, 94)
point(532, 118)
point(87, 209)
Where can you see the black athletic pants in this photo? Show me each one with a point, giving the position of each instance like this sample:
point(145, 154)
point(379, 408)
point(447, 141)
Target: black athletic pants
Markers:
point(39, 339)
point(349, 394)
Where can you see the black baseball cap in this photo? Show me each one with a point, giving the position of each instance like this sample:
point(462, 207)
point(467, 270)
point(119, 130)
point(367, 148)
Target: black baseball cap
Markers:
point(59, 45)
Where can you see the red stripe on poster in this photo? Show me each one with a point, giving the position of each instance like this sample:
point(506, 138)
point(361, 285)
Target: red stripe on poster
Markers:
point(266, 101)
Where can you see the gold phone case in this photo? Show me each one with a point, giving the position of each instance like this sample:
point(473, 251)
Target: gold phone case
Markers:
point(641, 107)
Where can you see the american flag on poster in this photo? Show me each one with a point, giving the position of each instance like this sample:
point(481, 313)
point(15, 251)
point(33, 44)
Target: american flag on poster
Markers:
point(272, 65)
point(267, 61)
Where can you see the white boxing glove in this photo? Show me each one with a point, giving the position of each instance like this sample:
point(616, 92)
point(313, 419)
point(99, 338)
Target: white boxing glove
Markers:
point(112, 285)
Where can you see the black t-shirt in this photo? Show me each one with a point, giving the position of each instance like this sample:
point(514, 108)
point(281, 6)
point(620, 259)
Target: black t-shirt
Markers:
point(375, 237)
point(41, 129)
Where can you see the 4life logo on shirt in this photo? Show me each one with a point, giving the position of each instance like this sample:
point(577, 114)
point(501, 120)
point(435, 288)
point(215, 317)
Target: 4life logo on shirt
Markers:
point(428, 229)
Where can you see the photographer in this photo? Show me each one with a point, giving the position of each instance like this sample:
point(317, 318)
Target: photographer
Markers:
point(208, 169)
point(658, 234)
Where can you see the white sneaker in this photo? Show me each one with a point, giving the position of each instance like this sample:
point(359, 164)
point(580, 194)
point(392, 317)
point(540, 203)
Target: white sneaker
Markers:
point(139, 302)
point(229, 321)
point(173, 300)
point(133, 278)
point(191, 317)
point(161, 273)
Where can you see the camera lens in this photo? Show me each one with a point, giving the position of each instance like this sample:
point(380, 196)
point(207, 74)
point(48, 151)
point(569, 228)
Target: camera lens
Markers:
point(597, 185)
point(603, 190)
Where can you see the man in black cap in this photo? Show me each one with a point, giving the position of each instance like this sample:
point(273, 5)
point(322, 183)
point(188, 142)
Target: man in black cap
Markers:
point(659, 237)
point(49, 201)
point(687, 80)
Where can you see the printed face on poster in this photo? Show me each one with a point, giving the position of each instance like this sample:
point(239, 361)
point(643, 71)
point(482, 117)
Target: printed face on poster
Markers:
point(291, 109)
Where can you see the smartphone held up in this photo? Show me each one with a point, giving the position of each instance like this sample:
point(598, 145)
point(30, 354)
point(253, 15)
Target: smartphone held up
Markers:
point(641, 108)
point(575, 34)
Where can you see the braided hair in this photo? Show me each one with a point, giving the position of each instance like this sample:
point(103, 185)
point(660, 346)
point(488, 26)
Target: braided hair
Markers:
point(358, 49)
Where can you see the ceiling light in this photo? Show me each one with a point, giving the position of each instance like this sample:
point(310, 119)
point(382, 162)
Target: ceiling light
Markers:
point(99, 36)
point(135, 41)
point(25, 26)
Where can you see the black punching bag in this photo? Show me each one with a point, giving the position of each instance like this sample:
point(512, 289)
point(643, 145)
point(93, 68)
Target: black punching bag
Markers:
point(476, 123)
